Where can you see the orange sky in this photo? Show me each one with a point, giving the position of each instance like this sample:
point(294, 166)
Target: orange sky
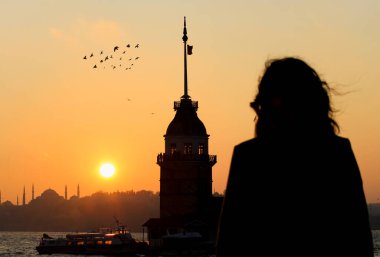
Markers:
point(60, 119)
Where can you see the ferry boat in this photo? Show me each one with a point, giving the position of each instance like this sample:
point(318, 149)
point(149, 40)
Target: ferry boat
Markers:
point(104, 242)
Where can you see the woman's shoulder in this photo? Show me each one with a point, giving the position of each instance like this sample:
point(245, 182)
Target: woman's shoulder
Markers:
point(257, 142)
point(251, 143)
point(331, 144)
point(339, 140)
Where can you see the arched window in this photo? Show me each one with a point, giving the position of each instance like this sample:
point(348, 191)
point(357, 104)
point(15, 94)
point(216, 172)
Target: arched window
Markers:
point(188, 149)
point(201, 149)
point(173, 148)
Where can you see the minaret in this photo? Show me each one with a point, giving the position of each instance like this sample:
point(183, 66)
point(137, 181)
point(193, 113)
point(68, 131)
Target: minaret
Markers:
point(23, 197)
point(17, 200)
point(0, 197)
point(32, 192)
point(65, 192)
point(78, 192)
point(185, 166)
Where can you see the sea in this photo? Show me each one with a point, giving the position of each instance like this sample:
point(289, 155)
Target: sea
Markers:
point(24, 243)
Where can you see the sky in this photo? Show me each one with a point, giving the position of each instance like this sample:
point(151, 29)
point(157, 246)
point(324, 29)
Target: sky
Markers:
point(60, 118)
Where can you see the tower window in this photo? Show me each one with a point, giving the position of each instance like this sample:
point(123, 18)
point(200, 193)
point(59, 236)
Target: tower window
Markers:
point(173, 148)
point(188, 148)
point(201, 149)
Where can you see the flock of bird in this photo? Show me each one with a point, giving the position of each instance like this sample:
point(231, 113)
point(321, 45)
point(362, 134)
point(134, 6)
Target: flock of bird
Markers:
point(122, 58)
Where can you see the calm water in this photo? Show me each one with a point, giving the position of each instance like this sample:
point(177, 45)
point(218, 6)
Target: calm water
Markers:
point(24, 243)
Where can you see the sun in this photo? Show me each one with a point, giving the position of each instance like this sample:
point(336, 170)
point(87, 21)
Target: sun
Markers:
point(107, 170)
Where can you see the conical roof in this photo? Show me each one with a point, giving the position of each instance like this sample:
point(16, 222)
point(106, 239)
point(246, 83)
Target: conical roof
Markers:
point(186, 121)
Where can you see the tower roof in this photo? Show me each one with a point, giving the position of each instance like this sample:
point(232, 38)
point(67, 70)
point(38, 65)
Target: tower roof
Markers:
point(186, 121)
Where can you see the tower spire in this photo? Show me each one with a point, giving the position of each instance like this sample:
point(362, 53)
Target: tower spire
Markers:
point(184, 38)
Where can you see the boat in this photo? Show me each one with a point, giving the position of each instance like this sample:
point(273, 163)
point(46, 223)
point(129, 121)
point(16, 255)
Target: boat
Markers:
point(102, 242)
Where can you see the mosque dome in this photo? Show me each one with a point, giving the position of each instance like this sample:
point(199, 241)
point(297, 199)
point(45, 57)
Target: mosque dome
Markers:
point(50, 193)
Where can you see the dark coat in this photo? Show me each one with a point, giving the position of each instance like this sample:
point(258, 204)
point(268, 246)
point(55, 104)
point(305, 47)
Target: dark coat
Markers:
point(294, 198)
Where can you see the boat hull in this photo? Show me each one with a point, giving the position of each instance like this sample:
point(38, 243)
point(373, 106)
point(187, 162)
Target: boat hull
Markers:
point(116, 250)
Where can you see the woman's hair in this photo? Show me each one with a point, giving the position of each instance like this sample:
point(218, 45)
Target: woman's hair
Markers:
point(292, 99)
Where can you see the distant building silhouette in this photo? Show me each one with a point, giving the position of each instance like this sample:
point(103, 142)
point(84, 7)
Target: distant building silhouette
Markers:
point(65, 192)
point(78, 191)
point(0, 197)
point(186, 200)
point(7, 204)
point(49, 211)
point(50, 194)
point(23, 197)
point(17, 200)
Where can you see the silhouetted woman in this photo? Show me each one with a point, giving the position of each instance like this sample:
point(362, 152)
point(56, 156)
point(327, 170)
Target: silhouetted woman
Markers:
point(295, 189)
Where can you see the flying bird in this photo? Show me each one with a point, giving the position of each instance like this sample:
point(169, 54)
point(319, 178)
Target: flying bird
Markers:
point(108, 57)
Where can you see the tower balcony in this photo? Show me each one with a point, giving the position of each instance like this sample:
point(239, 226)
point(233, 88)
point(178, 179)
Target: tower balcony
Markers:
point(186, 103)
point(176, 156)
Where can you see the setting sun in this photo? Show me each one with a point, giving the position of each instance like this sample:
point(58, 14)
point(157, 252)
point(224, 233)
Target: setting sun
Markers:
point(107, 170)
